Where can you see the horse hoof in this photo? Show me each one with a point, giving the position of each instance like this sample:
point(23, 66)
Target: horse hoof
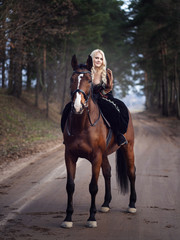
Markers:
point(66, 224)
point(132, 210)
point(91, 224)
point(105, 209)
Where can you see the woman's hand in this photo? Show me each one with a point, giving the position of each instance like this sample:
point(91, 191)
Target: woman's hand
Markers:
point(110, 72)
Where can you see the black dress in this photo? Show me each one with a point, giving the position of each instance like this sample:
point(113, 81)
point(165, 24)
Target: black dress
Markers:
point(114, 110)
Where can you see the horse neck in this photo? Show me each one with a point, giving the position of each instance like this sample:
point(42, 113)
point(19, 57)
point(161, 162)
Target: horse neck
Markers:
point(93, 110)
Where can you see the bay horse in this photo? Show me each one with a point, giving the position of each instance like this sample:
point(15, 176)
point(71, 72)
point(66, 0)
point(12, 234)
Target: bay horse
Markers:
point(85, 136)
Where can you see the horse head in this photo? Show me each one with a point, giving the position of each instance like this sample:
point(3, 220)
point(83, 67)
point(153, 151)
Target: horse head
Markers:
point(81, 83)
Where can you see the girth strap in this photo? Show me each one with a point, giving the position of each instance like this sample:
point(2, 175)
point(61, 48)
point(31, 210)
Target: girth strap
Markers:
point(109, 136)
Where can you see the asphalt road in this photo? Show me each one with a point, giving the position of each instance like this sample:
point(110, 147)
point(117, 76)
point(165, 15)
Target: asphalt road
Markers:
point(33, 195)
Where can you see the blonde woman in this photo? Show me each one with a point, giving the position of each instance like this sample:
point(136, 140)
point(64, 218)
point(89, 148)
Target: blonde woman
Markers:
point(113, 109)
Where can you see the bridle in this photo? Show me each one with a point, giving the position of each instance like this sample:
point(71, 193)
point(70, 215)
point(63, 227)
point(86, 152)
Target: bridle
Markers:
point(86, 97)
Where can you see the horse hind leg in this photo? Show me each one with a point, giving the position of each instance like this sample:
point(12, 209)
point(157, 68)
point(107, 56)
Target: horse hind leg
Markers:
point(70, 187)
point(131, 171)
point(126, 169)
point(132, 178)
point(106, 170)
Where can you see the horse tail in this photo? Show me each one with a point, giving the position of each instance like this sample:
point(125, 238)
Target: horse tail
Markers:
point(121, 171)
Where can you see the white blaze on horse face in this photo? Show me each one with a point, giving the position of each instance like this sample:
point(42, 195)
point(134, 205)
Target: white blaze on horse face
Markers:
point(79, 79)
point(77, 103)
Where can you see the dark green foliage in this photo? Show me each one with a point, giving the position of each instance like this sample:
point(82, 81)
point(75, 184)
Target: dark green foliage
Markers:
point(141, 46)
point(156, 42)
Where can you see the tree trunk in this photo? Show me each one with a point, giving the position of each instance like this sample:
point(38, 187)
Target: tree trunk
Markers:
point(28, 83)
point(17, 86)
point(165, 108)
point(147, 103)
point(38, 79)
point(65, 77)
point(11, 71)
point(45, 81)
point(3, 49)
point(3, 66)
point(64, 87)
point(177, 89)
point(15, 70)
point(160, 94)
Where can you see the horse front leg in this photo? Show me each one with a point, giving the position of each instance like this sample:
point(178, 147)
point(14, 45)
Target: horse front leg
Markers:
point(93, 189)
point(106, 170)
point(70, 187)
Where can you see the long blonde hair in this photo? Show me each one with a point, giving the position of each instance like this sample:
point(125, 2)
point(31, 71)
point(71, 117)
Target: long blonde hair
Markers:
point(103, 67)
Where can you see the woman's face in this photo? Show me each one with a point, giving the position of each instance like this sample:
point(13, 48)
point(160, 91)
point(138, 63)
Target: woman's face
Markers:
point(98, 60)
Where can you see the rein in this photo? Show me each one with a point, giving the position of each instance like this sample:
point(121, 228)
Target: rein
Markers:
point(93, 124)
point(86, 97)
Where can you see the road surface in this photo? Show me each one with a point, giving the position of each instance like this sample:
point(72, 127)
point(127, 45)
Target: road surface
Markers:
point(33, 196)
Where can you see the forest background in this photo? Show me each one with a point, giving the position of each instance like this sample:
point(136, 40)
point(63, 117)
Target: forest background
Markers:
point(141, 43)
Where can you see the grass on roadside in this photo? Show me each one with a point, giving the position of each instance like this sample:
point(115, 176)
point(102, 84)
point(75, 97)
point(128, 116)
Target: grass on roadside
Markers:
point(23, 127)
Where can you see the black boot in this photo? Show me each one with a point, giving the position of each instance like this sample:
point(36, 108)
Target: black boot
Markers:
point(121, 140)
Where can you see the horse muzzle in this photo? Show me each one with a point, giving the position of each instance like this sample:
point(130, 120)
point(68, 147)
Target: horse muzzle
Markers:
point(77, 109)
point(77, 97)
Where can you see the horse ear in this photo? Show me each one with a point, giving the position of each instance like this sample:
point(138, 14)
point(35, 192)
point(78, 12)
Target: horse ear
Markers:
point(74, 62)
point(89, 63)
